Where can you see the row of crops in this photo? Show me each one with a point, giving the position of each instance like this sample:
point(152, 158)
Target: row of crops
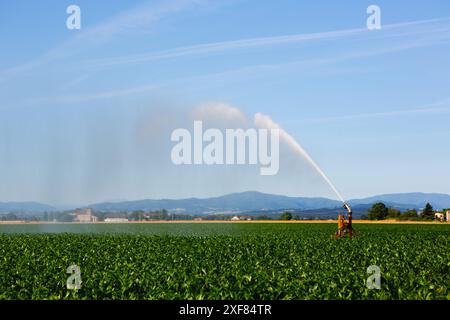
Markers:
point(225, 261)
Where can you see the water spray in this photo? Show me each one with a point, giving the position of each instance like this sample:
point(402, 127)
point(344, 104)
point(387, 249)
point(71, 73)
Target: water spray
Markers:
point(266, 122)
point(344, 227)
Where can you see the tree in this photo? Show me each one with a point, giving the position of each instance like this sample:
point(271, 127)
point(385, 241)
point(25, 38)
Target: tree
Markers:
point(409, 215)
point(379, 211)
point(137, 215)
point(428, 212)
point(65, 217)
point(263, 217)
point(393, 213)
point(286, 216)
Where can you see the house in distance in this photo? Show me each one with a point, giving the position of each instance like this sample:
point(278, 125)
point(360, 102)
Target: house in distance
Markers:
point(85, 216)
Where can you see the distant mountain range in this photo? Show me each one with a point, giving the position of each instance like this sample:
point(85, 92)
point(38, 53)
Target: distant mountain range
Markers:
point(409, 200)
point(250, 201)
point(235, 202)
point(25, 207)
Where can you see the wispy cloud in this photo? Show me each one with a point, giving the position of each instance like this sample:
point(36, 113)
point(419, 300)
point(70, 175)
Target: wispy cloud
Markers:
point(310, 64)
point(424, 33)
point(436, 108)
point(110, 94)
point(423, 27)
point(131, 21)
point(142, 17)
point(209, 79)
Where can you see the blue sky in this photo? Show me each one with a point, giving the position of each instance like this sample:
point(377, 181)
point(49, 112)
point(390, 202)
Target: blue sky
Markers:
point(85, 114)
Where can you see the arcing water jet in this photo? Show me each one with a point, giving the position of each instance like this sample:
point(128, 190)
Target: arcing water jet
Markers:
point(266, 122)
point(344, 227)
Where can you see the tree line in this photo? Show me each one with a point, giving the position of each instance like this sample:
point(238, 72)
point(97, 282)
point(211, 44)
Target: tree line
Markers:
point(379, 211)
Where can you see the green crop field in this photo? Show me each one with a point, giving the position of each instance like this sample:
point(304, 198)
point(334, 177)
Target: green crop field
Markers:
point(223, 261)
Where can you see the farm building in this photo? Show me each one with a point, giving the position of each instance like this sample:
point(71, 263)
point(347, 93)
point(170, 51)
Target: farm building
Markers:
point(242, 218)
point(442, 216)
point(116, 220)
point(84, 215)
